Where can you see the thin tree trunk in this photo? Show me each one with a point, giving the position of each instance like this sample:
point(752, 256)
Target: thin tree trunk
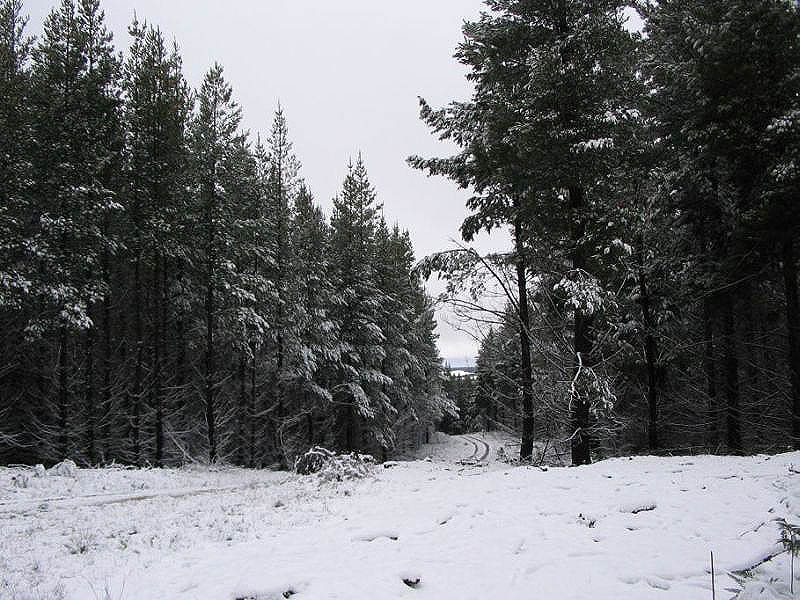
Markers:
point(650, 354)
point(158, 349)
point(63, 394)
point(209, 383)
point(581, 440)
point(731, 379)
point(711, 373)
point(181, 367)
point(106, 350)
point(750, 337)
point(526, 449)
point(138, 373)
point(210, 322)
point(253, 407)
point(793, 331)
point(243, 401)
point(89, 399)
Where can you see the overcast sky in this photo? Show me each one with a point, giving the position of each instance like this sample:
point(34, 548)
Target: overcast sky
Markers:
point(348, 74)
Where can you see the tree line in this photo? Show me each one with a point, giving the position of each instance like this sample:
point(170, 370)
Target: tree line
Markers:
point(169, 289)
point(650, 182)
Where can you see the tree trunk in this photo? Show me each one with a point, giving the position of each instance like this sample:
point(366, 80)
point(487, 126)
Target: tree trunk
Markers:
point(106, 350)
point(711, 373)
point(581, 440)
point(138, 373)
point(277, 390)
point(181, 398)
point(209, 383)
point(731, 379)
point(253, 406)
point(310, 428)
point(651, 357)
point(210, 322)
point(89, 399)
point(63, 394)
point(242, 412)
point(793, 330)
point(158, 350)
point(749, 345)
point(526, 449)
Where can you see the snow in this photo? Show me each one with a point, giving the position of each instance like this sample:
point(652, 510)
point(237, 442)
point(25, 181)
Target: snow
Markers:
point(456, 524)
point(460, 373)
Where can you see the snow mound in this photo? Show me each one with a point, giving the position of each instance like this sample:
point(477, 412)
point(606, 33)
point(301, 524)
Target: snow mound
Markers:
point(65, 468)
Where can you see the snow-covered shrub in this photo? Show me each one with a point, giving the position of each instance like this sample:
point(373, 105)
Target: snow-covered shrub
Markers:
point(66, 468)
point(790, 536)
point(330, 466)
point(508, 455)
point(81, 541)
point(313, 460)
point(23, 478)
point(27, 590)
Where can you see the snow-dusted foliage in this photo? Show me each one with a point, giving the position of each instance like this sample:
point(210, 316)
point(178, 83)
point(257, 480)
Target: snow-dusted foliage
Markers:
point(170, 290)
point(593, 389)
point(330, 466)
point(583, 293)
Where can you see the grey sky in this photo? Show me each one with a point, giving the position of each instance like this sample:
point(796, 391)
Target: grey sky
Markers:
point(347, 73)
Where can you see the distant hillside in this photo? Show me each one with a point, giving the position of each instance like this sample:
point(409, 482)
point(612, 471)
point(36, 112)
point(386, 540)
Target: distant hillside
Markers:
point(460, 371)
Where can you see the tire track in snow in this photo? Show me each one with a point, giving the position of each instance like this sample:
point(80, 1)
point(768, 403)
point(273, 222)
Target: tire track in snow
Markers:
point(479, 446)
point(472, 456)
point(485, 449)
point(10, 509)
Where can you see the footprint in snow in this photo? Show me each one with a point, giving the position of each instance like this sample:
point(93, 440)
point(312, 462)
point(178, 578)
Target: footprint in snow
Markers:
point(275, 594)
point(371, 537)
point(531, 569)
point(446, 519)
point(411, 578)
point(658, 584)
point(583, 554)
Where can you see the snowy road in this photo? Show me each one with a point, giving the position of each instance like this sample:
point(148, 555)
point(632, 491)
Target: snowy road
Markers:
point(639, 529)
point(480, 447)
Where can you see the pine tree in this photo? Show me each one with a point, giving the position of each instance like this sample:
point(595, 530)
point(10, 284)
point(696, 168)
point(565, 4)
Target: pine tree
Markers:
point(316, 353)
point(76, 161)
point(358, 384)
point(215, 142)
point(15, 145)
point(282, 183)
point(709, 76)
point(539, 141)
point(157, 105)
point(17, 277)
point(426, 396)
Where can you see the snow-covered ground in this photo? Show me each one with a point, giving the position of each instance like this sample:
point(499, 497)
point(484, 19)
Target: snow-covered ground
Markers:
point(459, 525)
